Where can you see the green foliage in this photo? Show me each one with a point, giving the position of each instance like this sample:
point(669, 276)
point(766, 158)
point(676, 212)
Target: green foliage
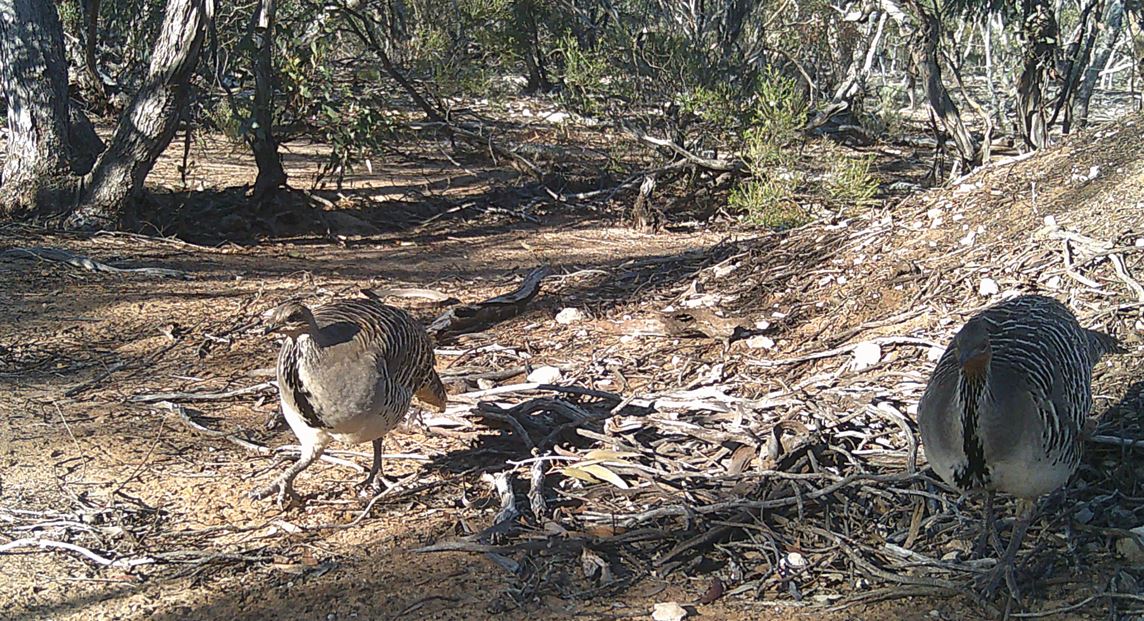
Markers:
point(780, 109)
point(886, 118)
point(432, 52)
point(767, 196)
point(344, 114)
point(353, 133)
point(718, 105)
point(851, 182)
point(586, 76)
point(71, 17)
point(221, 116)
point(769, 202)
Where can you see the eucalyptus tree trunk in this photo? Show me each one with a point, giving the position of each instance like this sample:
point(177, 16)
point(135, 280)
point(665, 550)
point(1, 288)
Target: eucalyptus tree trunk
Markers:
point(925, 57)
point(150, 120)
point(526, 37)
point(34, 83)
point(1113, 24)
point(271, 176)
point(1077, 54)
point(862, 58)
point(93, 85)
point(862, 55)
point(735, 13)
point(1040, 33)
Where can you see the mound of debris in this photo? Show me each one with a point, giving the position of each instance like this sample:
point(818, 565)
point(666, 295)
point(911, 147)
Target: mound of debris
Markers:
point(790, 466)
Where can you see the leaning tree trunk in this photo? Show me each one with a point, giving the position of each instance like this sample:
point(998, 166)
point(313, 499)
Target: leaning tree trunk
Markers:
point(853, 86)
point(1077, 55)
point(149, 122)
point(862, 59)
point(527, 39)
point(925, 57)
point(262, 142)
point(92, 84)
point(34, 75)
point(1114, 23)
point(1040, 31)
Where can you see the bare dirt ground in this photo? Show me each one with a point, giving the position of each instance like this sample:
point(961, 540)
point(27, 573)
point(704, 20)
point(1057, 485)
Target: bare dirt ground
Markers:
point(152, 497)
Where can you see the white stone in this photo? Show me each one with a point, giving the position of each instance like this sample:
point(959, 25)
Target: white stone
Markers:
point(569, 315)
point(544, 375)
point(795, 560)
point(760, 342)
point(866, 355)
point(1130, 549)
point(988, 287)
point(668, 611)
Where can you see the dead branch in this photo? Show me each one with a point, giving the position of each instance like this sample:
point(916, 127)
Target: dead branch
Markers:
point(408, 292)
point(48, 544)
point(473, 317)
point(703, 162)
point(846, 349)
point(264, 387)
point(63, 256)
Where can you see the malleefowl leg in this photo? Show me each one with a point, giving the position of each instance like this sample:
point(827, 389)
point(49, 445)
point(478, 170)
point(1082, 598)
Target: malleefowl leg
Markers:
point(284, 485)
point(1005, 566)
point(375, 482)
point(988, 535)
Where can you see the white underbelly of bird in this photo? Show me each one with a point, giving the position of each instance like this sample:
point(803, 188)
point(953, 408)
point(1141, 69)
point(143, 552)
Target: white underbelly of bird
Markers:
point(355, 431)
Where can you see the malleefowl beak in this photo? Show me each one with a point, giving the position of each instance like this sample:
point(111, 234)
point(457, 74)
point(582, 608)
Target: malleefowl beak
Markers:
point(271, 326)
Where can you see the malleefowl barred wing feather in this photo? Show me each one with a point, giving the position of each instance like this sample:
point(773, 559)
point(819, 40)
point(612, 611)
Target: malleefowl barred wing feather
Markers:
point(1101, 344)
point(348, 371)
point(1007, 401)
point(288, 381)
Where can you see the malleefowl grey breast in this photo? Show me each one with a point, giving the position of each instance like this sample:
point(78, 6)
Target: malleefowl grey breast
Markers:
point(1005, 406)
point(348, 371)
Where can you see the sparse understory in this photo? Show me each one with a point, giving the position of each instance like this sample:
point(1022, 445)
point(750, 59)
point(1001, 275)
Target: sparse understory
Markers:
point(731, 426)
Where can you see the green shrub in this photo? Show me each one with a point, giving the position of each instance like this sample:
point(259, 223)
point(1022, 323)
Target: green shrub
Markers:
point(768, 202)
point(780, 109)
point(586, 76)
point(767, 196)
point(719, 105)
point(221, 115)
point(850, 181)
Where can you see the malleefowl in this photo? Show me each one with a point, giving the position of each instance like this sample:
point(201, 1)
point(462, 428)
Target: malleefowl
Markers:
point(1006, 405)
point(348, 371)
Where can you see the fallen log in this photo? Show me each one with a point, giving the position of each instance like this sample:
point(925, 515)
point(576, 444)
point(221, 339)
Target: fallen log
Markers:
point(475, 317)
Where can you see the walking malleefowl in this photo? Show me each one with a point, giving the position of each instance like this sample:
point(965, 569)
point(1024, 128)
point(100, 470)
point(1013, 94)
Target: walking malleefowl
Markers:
point(348, 371)
point(1005, 407)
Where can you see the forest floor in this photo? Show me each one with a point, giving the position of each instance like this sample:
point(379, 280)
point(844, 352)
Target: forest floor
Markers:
point(748, 452)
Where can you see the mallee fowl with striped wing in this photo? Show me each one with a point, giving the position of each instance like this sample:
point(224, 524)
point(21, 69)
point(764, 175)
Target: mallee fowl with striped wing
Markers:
point(1005, 407)
point(348, 371)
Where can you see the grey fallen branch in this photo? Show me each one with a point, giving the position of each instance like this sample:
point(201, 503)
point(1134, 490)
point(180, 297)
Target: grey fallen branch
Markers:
point(846, 349)
point(48, 544)
point(531, 386)
point(184, 414)
point(267, 387)
point(705, 162)
point(75, 260)
point(407, 292)
point(505, 519)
